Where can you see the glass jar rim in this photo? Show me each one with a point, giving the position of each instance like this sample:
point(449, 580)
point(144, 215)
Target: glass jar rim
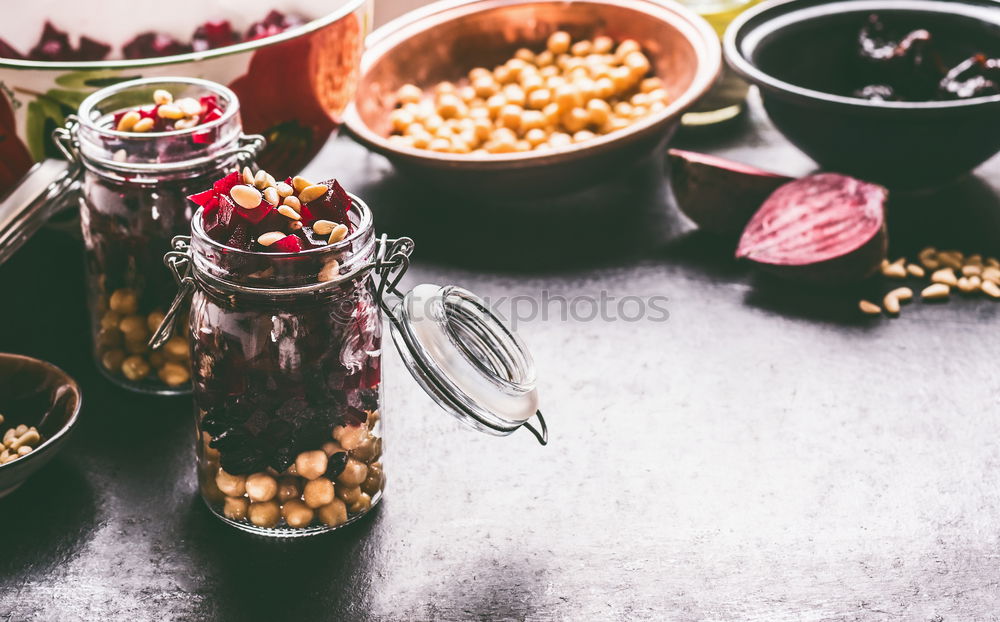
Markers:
point(89, 106)
point(360, 230)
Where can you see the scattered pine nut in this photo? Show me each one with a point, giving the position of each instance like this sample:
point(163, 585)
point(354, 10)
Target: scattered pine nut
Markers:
point(902, 294)
point(896, 269)
point(288, 212)
point(270, 238)
point(915, 270)
point(284, 190)
point(993, 262)
point(991, 274)
point(974, 260)
point(891, 304)
point(300, 183)
point(869, 308)
point(991, 289)
point(970, 270)
point(247, 176)
point(944, 276)
point(966, 286)
point(950, 259)
point(246, 197)
point(293, 203)
point(935, 291)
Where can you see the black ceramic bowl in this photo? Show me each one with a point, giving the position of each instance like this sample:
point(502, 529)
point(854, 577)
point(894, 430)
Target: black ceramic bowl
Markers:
point(800, 53)
point(38, 394)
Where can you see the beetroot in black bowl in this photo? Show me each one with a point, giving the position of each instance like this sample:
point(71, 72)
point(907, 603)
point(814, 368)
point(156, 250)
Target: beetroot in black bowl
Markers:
point(864, 88)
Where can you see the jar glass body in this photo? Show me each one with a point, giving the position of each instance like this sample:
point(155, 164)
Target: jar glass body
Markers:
point(287, 383)
point(133, 200)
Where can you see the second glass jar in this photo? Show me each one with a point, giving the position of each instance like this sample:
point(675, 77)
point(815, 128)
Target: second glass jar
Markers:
point(133, 201)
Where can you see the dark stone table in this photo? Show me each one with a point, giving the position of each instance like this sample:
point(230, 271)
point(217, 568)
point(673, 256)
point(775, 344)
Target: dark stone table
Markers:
point(763, 454)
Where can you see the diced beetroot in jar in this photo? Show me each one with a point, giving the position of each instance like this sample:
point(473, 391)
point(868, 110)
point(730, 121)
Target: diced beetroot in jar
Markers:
point(288, 244)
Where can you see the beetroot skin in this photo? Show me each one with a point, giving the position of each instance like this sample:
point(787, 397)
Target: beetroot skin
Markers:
point(719, 195)
point(826, 228)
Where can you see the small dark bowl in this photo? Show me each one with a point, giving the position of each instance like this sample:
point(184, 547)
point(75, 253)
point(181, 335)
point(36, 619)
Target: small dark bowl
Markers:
point(799, 53)
point(38, 394)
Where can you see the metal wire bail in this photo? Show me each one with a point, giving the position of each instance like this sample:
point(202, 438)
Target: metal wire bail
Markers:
point(178, 261)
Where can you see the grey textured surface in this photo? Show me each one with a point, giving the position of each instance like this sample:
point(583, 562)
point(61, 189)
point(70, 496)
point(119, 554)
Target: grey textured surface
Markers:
point(762, 455)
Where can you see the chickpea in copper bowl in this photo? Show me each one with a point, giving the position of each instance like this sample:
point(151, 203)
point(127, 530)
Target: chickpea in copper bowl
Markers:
point(530, 98)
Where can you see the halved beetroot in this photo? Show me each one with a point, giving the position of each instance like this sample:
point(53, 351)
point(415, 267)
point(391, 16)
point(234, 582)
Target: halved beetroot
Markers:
point(823, 228)
point(719, 195)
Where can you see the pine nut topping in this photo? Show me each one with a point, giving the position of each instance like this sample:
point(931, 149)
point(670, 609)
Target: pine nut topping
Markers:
point(189, 106)
point(971, 269)
point(162, 97)
point(246, 197)
point(247, 176)
point(339, 233)
point(284, 190)
point(170, 111)
point(313, 192)
point(271, 195)
point(323, 227)
point(869, 308)
point(915, 270)
point(288, 212)
point(185, 124)
point(128, 121)
point(300, 183)
point(270, 238)
point(260, 179)
point(144, 125)
point(293, 203)
point(936, 291)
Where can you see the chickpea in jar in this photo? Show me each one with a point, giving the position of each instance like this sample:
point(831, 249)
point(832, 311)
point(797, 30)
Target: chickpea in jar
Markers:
point(570, 92)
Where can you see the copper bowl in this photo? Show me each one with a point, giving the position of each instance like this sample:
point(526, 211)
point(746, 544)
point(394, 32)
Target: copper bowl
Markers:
point(444, 40)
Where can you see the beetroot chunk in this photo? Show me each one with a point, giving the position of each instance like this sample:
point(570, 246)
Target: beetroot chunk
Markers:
point(824, 228)
point(334, 205)
point(287, 244)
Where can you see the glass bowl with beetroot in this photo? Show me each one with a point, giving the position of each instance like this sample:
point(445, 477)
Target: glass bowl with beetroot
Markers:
point(53, 54)
point(286, 352)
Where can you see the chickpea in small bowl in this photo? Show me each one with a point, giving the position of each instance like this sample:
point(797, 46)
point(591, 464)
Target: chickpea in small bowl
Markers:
point(40, 404)
point(530, 98)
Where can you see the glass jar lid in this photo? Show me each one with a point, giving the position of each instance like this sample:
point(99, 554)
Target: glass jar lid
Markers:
point(467, 359)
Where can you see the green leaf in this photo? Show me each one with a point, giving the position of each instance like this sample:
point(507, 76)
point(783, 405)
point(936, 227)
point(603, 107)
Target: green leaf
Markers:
point(44, 115)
